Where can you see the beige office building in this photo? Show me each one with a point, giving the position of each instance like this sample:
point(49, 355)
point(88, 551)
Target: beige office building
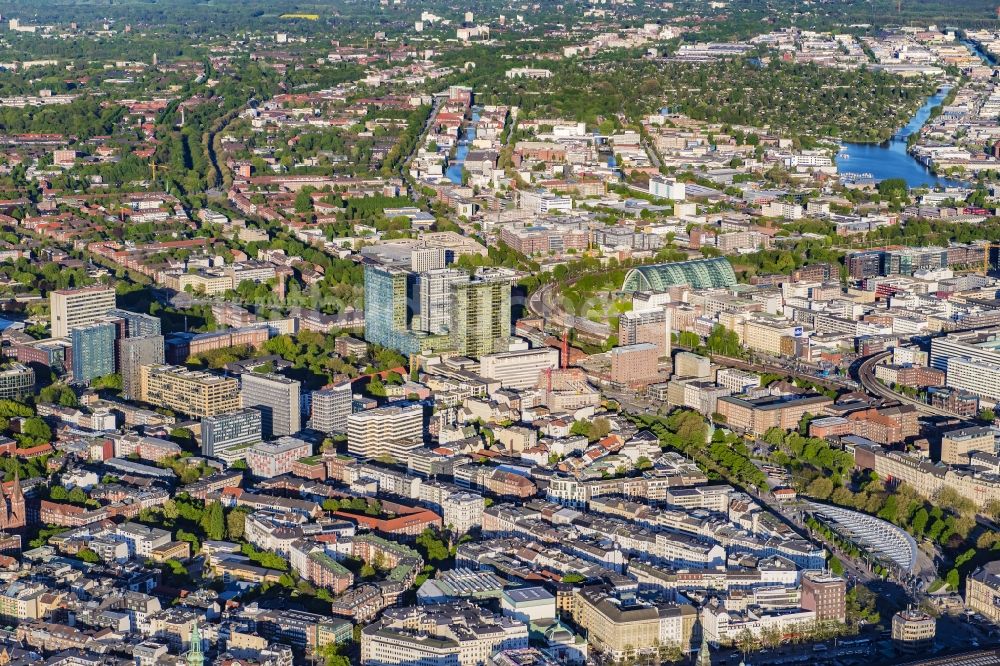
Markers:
point(392, 431)
point(766, 335)
point(189, 392)
point(982, 591)
point(956, 445)
point(622, 630)
point(687, 364)
point(913, 631)
point(519, 369)
point(73, 308)
point(652, 326)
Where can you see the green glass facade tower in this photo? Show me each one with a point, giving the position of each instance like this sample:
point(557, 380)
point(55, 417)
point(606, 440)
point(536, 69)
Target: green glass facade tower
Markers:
point(438, 310)
point(480, 322)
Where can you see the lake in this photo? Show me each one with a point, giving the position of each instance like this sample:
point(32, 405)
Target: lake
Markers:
point(890, 159)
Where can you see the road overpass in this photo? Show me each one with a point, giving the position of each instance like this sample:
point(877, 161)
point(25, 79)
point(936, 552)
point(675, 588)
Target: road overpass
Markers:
point(864, 373)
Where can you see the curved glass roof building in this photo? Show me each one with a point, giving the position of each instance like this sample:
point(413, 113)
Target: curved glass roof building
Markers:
point(697, 273)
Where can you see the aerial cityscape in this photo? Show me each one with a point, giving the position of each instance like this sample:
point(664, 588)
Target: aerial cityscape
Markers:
point(421, 333)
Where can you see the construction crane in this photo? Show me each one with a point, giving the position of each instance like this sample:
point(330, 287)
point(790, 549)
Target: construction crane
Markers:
point(154, 166)
point(564, 350)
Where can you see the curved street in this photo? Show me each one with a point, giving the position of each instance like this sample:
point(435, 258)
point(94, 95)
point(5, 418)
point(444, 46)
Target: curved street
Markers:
point(543, 302)
point(864, 373)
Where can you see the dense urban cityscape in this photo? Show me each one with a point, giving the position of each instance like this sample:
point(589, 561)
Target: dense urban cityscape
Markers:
point(406, 333)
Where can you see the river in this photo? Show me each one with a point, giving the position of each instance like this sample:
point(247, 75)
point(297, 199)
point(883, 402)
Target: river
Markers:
point(890, 159)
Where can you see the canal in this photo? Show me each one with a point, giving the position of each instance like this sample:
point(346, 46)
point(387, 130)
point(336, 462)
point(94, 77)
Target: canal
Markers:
point(457, 163)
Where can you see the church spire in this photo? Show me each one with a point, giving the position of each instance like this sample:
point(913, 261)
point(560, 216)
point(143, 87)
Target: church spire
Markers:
point(195, 657)
point(704, 654)
point(16, 493)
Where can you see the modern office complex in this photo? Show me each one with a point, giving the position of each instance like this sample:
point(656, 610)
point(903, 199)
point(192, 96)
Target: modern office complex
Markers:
point(277, 400)
point(910, 260)
point(438, 310)
point(136, 352)
point(227, 436)
point(387, 316)
point(17, 381)
point(72, 308)
point(186, 391)
point(388, 430)
point(866, 264)
point(93, 351)
point(480, 322)
point(331, 406)
point(519, 369)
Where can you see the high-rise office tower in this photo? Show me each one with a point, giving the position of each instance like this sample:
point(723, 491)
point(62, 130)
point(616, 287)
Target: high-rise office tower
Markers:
point(480, 321)
point(277, 400)
point(438, 309)
point(132, 325)
point(71, 308)
point(652, 326)
point(93, 351)
point(387, 315)
point(136, 323)
point(136, 352)
point(434, 298)
point(331, 407)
